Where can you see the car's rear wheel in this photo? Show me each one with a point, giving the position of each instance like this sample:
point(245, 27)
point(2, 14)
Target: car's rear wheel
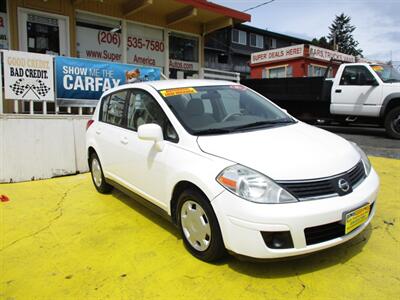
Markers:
point(392, 123)
point(199, 226)
point(98, 178)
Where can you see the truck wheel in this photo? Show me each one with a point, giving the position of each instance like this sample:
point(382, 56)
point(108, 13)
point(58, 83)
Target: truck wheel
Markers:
point(392, 123)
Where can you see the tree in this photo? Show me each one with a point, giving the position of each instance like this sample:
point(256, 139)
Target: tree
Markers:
point(341, 35)
point(321, 42)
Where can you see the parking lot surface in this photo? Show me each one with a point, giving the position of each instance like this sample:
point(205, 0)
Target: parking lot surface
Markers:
point(372, 140)
point(60, 239)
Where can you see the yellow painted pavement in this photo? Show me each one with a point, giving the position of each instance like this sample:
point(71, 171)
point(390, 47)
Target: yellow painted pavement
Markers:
point(60, 239)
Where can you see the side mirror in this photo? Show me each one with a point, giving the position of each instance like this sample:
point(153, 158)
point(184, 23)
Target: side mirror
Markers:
point(152, 132)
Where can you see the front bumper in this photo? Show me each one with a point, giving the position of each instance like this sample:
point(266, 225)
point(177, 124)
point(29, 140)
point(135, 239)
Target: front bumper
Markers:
point(242, 221)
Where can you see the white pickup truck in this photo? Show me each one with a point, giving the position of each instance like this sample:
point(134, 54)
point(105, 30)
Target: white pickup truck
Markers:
point(359, 93)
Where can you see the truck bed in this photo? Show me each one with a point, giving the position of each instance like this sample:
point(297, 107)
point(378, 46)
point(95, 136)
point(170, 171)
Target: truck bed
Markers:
point(306, 98)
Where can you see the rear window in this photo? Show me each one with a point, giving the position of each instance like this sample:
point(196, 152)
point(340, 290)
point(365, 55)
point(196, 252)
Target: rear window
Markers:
point(113, 108)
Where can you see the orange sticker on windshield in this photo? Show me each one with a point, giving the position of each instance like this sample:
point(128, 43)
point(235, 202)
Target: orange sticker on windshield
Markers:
point(377, 68)
point(176, 92)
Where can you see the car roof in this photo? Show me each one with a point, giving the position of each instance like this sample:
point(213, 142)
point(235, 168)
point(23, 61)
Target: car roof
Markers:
point(170, 84)
point(181, 83)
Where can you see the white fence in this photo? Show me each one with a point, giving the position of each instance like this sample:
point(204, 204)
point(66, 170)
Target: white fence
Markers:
point(41, 146)
point(36, 143)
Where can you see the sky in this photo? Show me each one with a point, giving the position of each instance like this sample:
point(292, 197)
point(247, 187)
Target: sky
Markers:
point(377, 21)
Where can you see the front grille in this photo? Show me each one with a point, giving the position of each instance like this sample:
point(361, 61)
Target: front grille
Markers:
point(326, 232)
point(357, 174)
point(323, 233)
point(325, 187)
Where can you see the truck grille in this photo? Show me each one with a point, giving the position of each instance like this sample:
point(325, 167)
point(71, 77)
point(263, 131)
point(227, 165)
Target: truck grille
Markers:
point(325, 187)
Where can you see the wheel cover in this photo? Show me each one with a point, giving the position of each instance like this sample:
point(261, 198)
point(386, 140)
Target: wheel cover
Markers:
point(96, 172)
point(396, 123)
point(195, 225)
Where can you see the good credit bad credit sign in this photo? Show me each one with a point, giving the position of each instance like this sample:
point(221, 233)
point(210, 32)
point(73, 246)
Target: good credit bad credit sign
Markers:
point(82, 79)
point(277, 54)
point(28, 76)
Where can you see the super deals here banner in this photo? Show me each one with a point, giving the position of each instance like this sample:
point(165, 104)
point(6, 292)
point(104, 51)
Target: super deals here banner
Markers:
point(83, 79)
point(28, 76)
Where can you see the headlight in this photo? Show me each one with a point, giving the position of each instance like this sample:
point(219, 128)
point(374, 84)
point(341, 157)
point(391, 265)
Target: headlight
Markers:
point(364, 158)
point(253, 186)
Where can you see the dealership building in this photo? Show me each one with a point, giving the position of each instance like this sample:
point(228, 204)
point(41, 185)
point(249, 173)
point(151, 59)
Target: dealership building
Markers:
point(302, 60)
point(164, 33)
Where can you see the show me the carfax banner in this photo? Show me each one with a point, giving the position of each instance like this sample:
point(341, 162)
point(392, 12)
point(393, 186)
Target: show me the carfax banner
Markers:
point(28, 76)
point(83, 79)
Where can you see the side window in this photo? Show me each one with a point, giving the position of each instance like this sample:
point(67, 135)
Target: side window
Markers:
point(115, 111)
point(144, 109)
point(104, 107)
point(355, 75)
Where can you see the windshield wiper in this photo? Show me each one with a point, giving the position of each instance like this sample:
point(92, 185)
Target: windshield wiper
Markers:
point(263, 123)
point(392, 80)
point(212, 131)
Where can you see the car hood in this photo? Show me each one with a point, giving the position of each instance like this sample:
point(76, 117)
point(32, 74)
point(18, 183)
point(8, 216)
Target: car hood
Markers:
point(292, 152)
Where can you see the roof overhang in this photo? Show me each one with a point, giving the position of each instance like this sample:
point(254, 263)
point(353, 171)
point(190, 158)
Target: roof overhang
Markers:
point(194, 16)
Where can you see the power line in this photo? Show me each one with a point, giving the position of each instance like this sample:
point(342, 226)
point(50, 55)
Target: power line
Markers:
point(259, 5)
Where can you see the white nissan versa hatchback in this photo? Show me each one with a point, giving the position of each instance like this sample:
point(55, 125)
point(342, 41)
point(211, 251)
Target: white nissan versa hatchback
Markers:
point(232, 170)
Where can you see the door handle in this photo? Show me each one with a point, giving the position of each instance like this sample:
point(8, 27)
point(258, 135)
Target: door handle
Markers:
point(338, 91)
point(98, 131)
point(124, 140)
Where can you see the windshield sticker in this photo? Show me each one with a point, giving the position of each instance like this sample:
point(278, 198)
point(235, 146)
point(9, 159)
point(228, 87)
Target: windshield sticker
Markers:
point(377, 68)
point(180, 91)
point(238, 87)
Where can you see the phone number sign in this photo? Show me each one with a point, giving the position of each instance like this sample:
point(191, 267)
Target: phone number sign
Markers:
point(148, 48)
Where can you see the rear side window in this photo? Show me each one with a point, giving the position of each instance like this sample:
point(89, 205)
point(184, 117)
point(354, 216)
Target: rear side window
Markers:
point(104, 107)
point(113, 108)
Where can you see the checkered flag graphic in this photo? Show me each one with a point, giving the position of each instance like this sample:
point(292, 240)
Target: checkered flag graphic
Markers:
point(18, 88)
point(41, 88)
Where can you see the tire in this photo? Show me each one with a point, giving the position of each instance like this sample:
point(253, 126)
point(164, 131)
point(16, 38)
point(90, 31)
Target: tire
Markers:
point(98, 178)
point(206, 243)
point(392, 123)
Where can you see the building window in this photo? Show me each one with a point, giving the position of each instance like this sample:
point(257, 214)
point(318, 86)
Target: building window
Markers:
point(3, 25)
point(183, 56)
point(278, 72)
point(256, 40)
point(40, 32)
point(98, 38)
point(184, 48)
point(239, 37)
point(272, 44)
point(318, 71)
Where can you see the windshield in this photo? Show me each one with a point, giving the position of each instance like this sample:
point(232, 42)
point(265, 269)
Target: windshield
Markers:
point(222, 109)
point(386, 73)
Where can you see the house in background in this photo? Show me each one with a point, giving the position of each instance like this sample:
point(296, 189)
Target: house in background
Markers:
point(230, 49)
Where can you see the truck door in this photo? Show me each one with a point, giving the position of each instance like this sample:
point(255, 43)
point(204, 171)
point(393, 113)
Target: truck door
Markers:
point(356, 92)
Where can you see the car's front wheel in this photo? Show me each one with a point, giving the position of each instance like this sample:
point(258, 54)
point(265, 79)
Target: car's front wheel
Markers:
point(199, 226)
point(98, 178)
